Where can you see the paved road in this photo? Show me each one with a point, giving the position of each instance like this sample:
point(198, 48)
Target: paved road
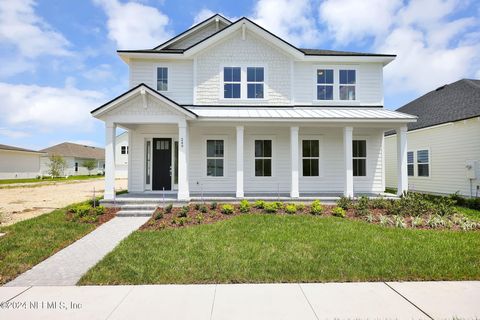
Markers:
point(374, 300)
point(67, 266)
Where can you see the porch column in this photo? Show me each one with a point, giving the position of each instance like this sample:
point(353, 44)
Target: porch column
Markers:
point(348, 161)
point(183, 190)
point(110, 130)
point(240, 131)
point(294, 192)
point(402, 160)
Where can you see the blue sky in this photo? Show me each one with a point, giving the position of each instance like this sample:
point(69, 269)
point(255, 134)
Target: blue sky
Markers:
point(59, 60)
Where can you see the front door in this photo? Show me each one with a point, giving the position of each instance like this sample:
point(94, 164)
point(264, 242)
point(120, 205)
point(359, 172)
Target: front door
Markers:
point(162, 164)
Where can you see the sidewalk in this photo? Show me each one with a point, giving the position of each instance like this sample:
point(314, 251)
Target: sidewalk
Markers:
point(374, 300)
point(67, 266)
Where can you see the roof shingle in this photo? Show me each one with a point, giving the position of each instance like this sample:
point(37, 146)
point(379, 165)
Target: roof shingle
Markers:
point(68, 149)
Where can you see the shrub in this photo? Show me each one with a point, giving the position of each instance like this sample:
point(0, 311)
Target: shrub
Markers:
point(259, 204)
point(197, 206)
point(379, 203)
point(410, 203)
point(270, 207)
point(227, 209)
point(399, 222)
point(99, 210)
point(339, 212)
point(444, 206)
point(213, 205)
point(199, 218)
point(316, 208)
point(89, 219)
point(344, 203)
point(417, 222)
point(203, 209)
point(300, 206)
point(158, 214)
point(184, 212)
point(384, 220)
point(435, 222)
point(244, 206)
point(291, 208)
point(81, 210)
point(370, 218)
point(181, 221)
point(168, 208)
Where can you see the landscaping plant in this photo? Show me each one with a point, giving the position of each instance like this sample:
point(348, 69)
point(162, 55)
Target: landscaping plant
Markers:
point(244, 206)
point(270, 207)
point(316, 208)
point(227, 209)
point(291, 208)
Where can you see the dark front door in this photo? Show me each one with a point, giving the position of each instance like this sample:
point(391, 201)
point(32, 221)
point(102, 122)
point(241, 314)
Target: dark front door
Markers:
point(162, 164)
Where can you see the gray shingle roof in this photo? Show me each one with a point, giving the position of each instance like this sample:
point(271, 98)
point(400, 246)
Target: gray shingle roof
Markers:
point(12, 148)
point(323, 52)
point(452, 102)
point(68, 149)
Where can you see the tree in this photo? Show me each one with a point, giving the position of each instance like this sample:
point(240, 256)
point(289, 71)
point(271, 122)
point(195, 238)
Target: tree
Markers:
point(56, 166)
point(90, 164)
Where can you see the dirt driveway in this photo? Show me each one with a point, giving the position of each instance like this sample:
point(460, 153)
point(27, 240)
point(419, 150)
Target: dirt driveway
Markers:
point(24, 202)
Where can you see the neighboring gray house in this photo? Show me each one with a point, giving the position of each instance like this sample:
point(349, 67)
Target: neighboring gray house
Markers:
point(444, 144)
point(19, 163)
point(75, 156)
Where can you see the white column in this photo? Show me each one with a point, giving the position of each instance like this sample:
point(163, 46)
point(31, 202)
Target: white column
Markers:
point(110, 130)
point(240, 131)
point(348, 161)
point(294, 192)
point(402, 160)
point(183, 190)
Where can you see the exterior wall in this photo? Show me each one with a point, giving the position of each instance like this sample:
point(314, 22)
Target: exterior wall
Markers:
point(180, 77)
point(70, 166)
point(19, 165)
point(450, 146)
point(121, 160)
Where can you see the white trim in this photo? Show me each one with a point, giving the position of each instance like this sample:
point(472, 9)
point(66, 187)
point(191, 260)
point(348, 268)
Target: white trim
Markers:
point(194, 79)
point(415, 163)
point(240, 164)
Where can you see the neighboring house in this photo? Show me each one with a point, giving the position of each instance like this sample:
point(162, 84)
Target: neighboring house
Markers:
point(229, 109)
point(121, 155)
point(19, 163)
point(75, 155)
point(444, 145)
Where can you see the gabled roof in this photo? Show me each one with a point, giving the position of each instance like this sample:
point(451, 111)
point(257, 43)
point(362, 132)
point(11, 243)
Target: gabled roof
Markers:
point(68, 149)
point(12, 148)
point(138, 89)
point(452, 102)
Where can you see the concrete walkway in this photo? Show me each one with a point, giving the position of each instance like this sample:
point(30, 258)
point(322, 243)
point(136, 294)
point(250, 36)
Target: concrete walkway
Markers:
point(374, 300)
point(67, 266)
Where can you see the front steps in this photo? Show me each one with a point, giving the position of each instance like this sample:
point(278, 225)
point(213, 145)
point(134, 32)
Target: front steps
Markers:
point(136, 210)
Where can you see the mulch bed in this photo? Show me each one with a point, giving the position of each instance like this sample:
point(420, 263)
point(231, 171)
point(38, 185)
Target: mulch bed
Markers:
point(109, 214)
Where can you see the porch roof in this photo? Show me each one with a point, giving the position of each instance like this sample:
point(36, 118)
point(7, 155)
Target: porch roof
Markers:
point(300, 113)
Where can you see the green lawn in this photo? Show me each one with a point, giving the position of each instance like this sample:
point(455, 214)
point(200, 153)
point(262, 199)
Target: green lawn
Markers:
point(282, 248)
point(470, 213)
point(28, 242)
point(10, 181)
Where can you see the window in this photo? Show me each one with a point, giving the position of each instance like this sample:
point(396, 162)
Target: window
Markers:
point(359, 158)
point(231, 82)
point(76, 166)
point(215, 158)
point(147, 162)
point(347, 84)
point(175, 161)
point(124, 150)
point(162, 79)
point(423, 161)
point(324, 84)
point(263, 158)
point(255, 82)
point(310, 158)
point(410, 164)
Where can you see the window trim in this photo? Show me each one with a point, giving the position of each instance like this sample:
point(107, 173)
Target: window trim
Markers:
point(243, 82)
point(336, 84)
point(321, 170)
point(366, 176)
point(169, 78)
point(231, 82)
point(254, 82)
point(273, 157)
point(324, 84)
point(347, 84)
point(225, 139)
point(415, 167)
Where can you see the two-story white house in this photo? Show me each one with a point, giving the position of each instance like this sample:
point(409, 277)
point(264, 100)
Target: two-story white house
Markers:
point(229, 109)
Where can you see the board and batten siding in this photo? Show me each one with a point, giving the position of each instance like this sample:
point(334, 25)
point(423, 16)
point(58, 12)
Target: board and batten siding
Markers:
point(450, 145)
point(180, 77)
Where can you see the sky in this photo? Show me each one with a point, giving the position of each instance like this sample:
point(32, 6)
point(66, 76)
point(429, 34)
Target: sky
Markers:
point(59, 62)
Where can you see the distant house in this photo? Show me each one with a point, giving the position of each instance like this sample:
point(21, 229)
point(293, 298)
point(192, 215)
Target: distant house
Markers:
point(443, 152)
point(75, 156)
point(121, 155)
point(19, 163)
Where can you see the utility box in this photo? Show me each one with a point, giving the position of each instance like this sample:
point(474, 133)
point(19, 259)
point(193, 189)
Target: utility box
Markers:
point(471, 169)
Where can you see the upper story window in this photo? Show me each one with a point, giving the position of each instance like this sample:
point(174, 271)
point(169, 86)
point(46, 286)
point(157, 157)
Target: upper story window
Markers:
point(359, 158)
point(324, 84)
point(232, 82)
point(255, 82)
point(124, 150)
point(347, 84)
point(162, 79)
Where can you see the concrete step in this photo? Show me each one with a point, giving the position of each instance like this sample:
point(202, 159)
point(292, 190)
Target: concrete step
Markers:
point(135, 213)
point(138, 206)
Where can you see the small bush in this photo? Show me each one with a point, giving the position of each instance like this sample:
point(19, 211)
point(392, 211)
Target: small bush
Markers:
point(89, 219)
point(316, 208)
point(270, 207)
point(417, 222)
point(259, 204)
point(435, 222)
point(213, 205)
point(168, 208)
point(399, 222)
point(339, 212)
point(379, 203)
point(227, 209)
point(81, 210)
point(300, 207)
point(370, 218)
point(244, 206)
point(184, 212)
point(197, 206)
point(384, 220)
point(181, 221)
point(344, 203)
point(199, 218)
point(203, 209)
point(291, 208)
point(158, 214)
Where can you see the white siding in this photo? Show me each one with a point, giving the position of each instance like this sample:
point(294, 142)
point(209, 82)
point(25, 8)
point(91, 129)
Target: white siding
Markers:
point(180, 77)
point(450, 146)
point(121, 160)
point(19, 165)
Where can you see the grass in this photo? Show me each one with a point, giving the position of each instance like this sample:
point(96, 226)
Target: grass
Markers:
point(279, 248)
point(29, 242)
point(470, 213)
point(33, 180)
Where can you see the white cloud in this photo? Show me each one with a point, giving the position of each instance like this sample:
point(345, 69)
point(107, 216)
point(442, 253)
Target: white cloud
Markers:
point(48, 108)
point(13, 134)
point(29, 33)
point(134, 25)
point(292, 20)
